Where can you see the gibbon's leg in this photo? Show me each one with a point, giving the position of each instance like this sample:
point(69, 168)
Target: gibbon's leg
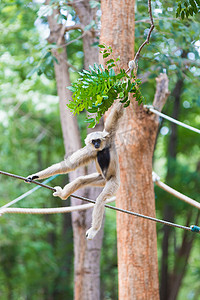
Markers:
point(97, 215)
point(94, 179)
point(79, 158)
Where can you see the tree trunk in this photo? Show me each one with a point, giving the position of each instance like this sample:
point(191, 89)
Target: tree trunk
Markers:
point(87, 282)
point(137, 240)
point(87, 253)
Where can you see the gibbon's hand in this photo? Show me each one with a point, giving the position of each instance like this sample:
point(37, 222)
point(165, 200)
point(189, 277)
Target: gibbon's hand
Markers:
point(90, 233)
point(59, 192)
point(31, 177)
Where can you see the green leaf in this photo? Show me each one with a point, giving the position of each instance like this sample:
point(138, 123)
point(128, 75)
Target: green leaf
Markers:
point(99, 99)
point(92, 125)
point(110, 61)
point(35, 69)
point(102, 67)
point(127, 103)
point(178, 9)
point(111, 66)
point(191, 10)
point(121, 95)
point(71, 88)
point(124, 100)
point(182, 15)
point(88, 120)
point(106, 55)
point(96, 66)
point(91, 68)
point(111, 73)
point(92, 110)
point(192, 2)
point(86, 72)
point(101, 46)
point(55, 59)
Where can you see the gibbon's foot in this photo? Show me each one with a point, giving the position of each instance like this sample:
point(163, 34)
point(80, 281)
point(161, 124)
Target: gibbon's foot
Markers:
point(59, 192)
point(90, 233)
point(30, 178)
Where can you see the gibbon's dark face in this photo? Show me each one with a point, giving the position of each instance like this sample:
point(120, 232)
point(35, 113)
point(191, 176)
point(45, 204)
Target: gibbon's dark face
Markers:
point(96, 143)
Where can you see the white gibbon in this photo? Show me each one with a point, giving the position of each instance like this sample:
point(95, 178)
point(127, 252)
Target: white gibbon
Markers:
point(100, 147)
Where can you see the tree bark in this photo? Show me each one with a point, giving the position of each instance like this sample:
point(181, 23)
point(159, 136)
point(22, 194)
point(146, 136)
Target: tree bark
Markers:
point(89, 278)
point(137, 241)
point(87, 253)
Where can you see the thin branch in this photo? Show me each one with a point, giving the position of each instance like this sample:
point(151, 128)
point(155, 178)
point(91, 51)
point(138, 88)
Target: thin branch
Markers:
point(78, 38)
point(74, 27)
point(149, 34)
point(61, 33)
point(71, 66)
point(133, 63)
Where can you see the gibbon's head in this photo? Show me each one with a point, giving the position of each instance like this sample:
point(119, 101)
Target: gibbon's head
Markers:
point(97, 139)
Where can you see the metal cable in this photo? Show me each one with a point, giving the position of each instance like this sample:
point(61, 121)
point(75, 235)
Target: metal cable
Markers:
point(192, 228)
point(152, 109)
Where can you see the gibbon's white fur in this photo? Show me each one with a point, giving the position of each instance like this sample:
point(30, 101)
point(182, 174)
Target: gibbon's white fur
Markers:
point(100, 147)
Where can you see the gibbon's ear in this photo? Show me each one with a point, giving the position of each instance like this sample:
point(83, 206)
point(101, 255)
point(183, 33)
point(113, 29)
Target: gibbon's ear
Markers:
point(105, 134)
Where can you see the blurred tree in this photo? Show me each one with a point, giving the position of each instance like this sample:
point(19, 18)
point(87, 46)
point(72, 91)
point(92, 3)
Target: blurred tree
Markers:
point(87, 253)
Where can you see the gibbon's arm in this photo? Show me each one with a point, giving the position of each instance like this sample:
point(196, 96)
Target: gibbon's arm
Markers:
point(111, 123)
point(79, 158)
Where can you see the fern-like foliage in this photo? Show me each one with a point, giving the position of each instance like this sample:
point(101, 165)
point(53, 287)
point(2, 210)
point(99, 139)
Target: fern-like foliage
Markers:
point(187, 8)
point(98, 87)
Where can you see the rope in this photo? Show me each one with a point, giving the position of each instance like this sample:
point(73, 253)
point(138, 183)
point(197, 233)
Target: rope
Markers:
point(192, 228)
point(152, 109)
point(57, 210)
point(173, 192)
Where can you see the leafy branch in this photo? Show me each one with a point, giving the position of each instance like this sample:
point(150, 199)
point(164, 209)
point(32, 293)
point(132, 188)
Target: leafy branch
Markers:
point(133, 63)
point(99, 87)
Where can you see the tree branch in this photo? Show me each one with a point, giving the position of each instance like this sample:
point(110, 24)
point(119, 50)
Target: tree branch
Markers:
point(74, 27)
point(133, 63)
point(61, 34)
point(78, 38)
point(71, 66)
